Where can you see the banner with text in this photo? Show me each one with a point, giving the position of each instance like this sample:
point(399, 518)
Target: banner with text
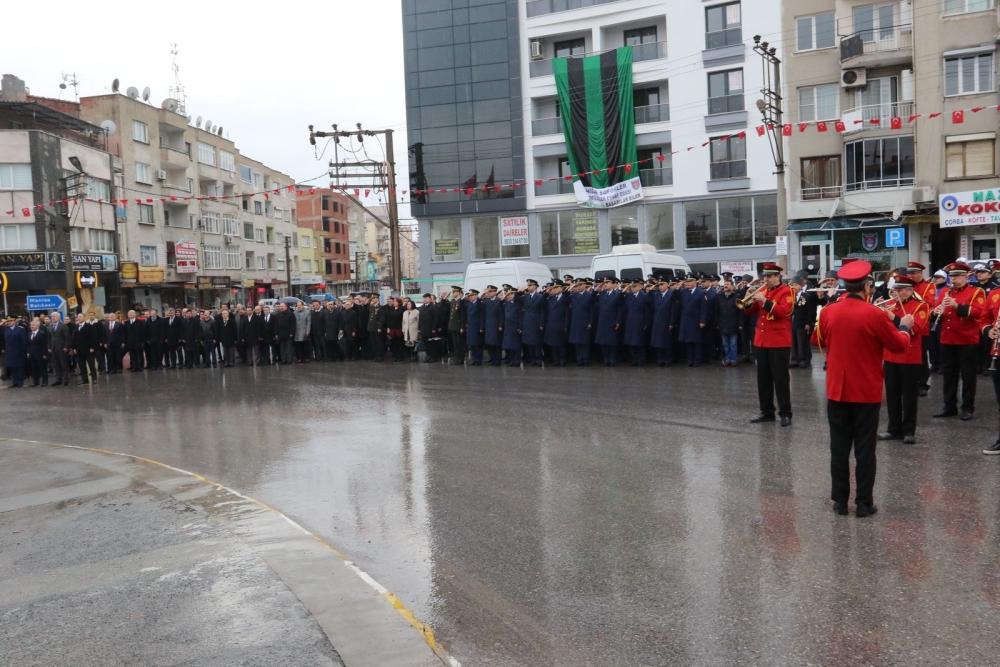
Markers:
point(514, 230)
point(977, 207)
point(610, 197)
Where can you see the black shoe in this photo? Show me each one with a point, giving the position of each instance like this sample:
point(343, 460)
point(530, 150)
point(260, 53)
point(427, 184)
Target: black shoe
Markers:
point(889, 436)
point(995, 449)
point(840, 508)
point(786, 421)
point(909, 440)
point(865, 510)
point(83, 382)
point(922, 391)
point(944, 413)
point(761, 417)
point(966, 416)
point(57, 383)
point(805, 365)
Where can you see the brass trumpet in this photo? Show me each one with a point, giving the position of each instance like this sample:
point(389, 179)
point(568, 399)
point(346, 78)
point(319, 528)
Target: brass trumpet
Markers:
point(747, 299)
point(887, 304)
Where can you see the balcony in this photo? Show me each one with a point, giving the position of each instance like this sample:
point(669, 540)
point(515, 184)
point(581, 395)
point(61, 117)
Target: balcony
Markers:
point(654, 177)
point(543, 126)
point(173, 156)
point(882, 47)
point(654, 113)
point(551, 188)
point(825, 192)
point(723, 38)
point(878, 117)
point(640, 53)
point(178, 187)
point(542, 7)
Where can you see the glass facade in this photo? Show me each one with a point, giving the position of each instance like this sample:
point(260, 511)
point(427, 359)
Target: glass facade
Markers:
point(732, 221)
point(486, 240)
point(464, 105)
point(660, 225)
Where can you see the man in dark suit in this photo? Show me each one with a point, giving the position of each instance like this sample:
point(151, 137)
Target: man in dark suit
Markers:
point(226, 332)
point(268, 342)
point(135, 338)
point(190, 337)
point(556, 323)
point(329, 334)
point(173, 328)
point(317, 328)
point(86, 343)
point(38, 354)
point(114, 344)
point(284, 333)
point(253, 334)
point(692, 317)
point(156, 335)
point(59, 338)
point(349, 328)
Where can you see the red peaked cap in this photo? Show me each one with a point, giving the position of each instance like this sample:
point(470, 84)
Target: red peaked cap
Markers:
point(855, 271)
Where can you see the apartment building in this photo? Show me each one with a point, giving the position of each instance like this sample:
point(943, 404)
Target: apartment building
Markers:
point(325, 213)
point(409, 250)
point(886, 70)
point(480, 87)
point(225, 248)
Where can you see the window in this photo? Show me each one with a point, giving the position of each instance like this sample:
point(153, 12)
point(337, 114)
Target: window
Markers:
point(279, 214)
point(570, 47)
point(258, 181)
point(970, 156)
point(303, 241)
point(446, 240)
point(819, 102)
point(624, 223)
point(146, 214)
point(270, 235)
point(260, 263)
point(820, 177)
point(816, 32)
point(147, 255)
point(232, 257)
point(258, 208)
point(210, 222)
point(723, 26)
point(295, 239)
point(306, 265)
point(969, 74)
point(336, 249)
point(230, 225)
point(886, 162)
point(569, 232)
point(102, 241)
point(966, 6)
point(213, 257)
point(315, 242)
point(190, 183)
point(329, 266)
point(140, 132)
point(874, 22)
point(637, 36)
point(76, 236)
point(96, 188)
point(246, 203)
point(227, 161)
point(17, 237)
point(142, 173)
point(15, 176)
point(487, 241)
point(732, 221)
point(206, 154)
point(326, 204)
point(729, 158)
point(258, 235)
point(248, 231)
point(660, 226)
point(725, 91)
point(245, 173)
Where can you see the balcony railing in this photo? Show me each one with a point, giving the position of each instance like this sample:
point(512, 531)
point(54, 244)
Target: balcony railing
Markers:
point(822, 192)
point(542, 126)
point(653, 113)
point(640, 52)
point(542, 7)
point(726, 104)
point(558, 187)
point(659, 176)
point(860, 186)
point(877, 40)
point(721, 171)
point(175, 186)
point(721, 38)
point(878, 116)
point(164, 143)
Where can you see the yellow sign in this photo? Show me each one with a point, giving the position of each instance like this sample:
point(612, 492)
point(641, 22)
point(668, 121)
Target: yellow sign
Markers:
point(3, 282)
point(152, 276)
point(86, 279)
point(71, 302)
point(130, 272)
point(248, 282)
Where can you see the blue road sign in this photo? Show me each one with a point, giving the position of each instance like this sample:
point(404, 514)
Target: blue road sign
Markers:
point(46, 302)
point(895, 237)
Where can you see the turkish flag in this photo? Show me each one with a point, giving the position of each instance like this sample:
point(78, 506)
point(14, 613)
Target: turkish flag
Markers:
point(661, 157)
point(291, 188)
point(628, 169)
point(149, 201)
point(786, 130)
point(366, 192)
point(741, 135)
point(958, 117)
point(538, 182)
point(267, 197)
point(760, 130)
point(913, 118)
point(124, 202)
point(312, 191)
point(802, 127)
point(821, 126)
point(839, 126)
point(357, 192)
point(896, 123)
point(26, 212)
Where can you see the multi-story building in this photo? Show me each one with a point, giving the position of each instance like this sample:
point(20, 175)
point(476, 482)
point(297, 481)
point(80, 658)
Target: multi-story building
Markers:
point(481, 102)
point(325, 213)
point(409, 250)
point(886, 71)
point(227, 246)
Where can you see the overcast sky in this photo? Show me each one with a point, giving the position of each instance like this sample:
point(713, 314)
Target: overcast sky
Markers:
point(263, 71)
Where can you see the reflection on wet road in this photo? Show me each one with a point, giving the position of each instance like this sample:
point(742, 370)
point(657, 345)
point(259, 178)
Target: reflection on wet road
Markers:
point(587, 517)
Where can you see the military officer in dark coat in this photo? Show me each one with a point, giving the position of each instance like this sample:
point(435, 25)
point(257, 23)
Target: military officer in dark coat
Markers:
point(581, 320)
point(456, 326)
point(609, 320)
point(556, 326)
point(636, 304)
point(692, 317)
point(475, 327)
point(532, 321)
point(513, 316)
point(493, 317)
point(662, 336)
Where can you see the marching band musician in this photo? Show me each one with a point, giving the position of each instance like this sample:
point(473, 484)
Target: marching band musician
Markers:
point(772, 345)
point(988, 325)
point(959, 311)
point(803, 320)
point(855, 336)
point(903, 369)
point(925, 290)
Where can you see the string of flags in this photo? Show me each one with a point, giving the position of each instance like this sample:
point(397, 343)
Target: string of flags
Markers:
point(787, 130)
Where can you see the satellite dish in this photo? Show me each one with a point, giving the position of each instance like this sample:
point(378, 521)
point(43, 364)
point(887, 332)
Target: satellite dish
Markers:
point(219, 132)
point(114, 86)
point(208, 125)
point(132, 92)
point(145, 94)
point(197, 123)
point(109, 127)
point(170, 104)
point(62, 86)
point(189, 119)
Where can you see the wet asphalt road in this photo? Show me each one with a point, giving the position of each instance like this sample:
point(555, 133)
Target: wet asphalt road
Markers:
point(588, 516)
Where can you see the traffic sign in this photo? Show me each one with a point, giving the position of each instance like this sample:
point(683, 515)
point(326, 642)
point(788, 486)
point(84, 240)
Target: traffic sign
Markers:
point(895, 237)
point(46, 302)
point(71, 301)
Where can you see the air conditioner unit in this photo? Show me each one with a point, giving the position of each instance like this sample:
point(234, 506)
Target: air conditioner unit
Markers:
point(161, 175)
point(852, 78)
point(925, 195)
point(536, 49)
point(229, 240)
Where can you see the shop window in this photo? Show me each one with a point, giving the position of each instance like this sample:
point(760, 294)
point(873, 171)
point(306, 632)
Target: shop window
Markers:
point(446, 240)
point(732, 221)
point(624, 223)
point(569, 232)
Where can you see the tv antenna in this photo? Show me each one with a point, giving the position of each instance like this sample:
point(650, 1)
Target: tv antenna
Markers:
point(69, 79)
point(177, 90)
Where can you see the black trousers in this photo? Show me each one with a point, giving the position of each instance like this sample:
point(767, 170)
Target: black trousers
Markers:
point(155, 358)
point(377, 345)
point(924, 381)
point(996, 387)
point(84, 360)
point(135, 357)
point(318, 346)
point(114, 353)
point(38, 369)
point(852, 425)
point(934, 349)
point(457, 346)
point(960, 361)
point(801, 347)
point(772, 379)
point(902, 382)
point(191, 354)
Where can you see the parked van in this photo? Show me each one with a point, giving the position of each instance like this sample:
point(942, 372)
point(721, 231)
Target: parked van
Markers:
point(636, 261)
point(513, 272)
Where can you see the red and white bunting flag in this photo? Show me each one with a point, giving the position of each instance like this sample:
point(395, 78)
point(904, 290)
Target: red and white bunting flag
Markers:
point(312, 191)
point(741, 135)
point(935, 114)
point(357, 192)
point(267, 197)
point(538, 182)
point(957, 117)
point(124, 202)
point(26, 212)
point(366, 192)
point(498, 188)
point(896, 123)
point(760, 130)
point(661, 158)
point(802, 127)
point(839, 126)
point(291, 188)
point(977, 109)
point(821, 126)
point(173, 198)
point(40, 207)
point(628, 169)
point(149, 201)
point(786, 130)
point(913, 117)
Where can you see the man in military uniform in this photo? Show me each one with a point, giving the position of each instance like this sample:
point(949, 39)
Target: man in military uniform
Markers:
point(557, 322)
point(773, 342)
point(803, 320)
point(609, 320)
point(692, 316)
point(902, 369)
point(456, 326)
point(580, 320)
point(959, 311)
point(493, 316)
point(532, 321)
point(475, 327)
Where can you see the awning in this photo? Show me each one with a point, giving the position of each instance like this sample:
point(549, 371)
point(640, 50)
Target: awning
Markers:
point(827, 225)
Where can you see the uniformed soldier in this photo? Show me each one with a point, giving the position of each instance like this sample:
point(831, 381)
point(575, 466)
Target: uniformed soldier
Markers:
point(475, 327)
point(902, 369)
point(773, 343)
point(580, 322)
point(663, 304)
point(557, 322)
point(854, 335)
point(456, 326)
point(635, 323)
point(803, 320)
point(609, 320)
point(533, 319)
point(989, 324)
point(958, 312)
point(493, 317)
point(512, 324)
point(691, 318)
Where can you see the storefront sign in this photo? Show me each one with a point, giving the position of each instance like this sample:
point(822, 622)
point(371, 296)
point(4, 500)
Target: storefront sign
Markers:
point(83, 261)
point(963, 246)
point(619, 194)
point(213, 282)
point(781, 245)
point(446, 247)
point(977, 207)
point(585, 233)
point(151, 276)
point(186, 256)
point(86, 279)
point(514, 231)
point(307, 280)
point(248, 283)
point(736, 267)
point(130, 272)
point(22, 261)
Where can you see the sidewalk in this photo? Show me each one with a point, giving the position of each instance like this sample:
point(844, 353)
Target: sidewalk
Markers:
point(109, 560)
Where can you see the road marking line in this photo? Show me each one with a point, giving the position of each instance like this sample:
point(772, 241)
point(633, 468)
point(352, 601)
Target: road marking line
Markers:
point(425, 630)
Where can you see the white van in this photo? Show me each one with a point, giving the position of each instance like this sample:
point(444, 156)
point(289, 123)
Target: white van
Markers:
point(512, 271)
point(636, 261)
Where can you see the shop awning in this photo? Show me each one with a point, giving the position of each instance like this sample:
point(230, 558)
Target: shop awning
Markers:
point(827, 225)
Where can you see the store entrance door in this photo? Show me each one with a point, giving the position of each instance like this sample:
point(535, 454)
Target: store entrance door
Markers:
point(816, 257)
point(983, 249)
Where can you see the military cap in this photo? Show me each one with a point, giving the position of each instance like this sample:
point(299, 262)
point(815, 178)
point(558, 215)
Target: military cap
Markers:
point(473, 291)
point(980, 268)
point(904, 281)
point(508, 288)
point(747, 277)
point(558, 283)
point(801, 273)
point(454, 288)
point(831, 274)
point(567, 277)
point(428, 294)
point(957, 269)
point(771, 269)
point(798, 280)
point(690, 276)
point(612, 280)
point(915, 266)
point(532, 281)
point(855, 271)
point(491, 288)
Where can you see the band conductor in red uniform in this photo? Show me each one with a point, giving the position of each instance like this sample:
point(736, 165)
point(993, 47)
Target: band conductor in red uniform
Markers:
point(903, 369)
point(773, 342)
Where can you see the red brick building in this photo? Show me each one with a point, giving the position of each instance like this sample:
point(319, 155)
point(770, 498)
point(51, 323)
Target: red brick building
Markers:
point(325, 212)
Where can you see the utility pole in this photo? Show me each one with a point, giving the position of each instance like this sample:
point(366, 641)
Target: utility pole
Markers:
point(384, 177)
point(770, 107)
point(288, 262)
point(70, 190)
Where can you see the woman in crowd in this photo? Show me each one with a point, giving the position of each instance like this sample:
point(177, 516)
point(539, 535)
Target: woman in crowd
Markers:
point(411, 327)
point(395, 327)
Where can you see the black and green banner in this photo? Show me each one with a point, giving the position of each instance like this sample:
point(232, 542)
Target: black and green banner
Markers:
point(595, 102)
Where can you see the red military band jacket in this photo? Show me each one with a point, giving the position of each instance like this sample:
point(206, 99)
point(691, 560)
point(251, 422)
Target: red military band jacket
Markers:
point(921, 327)
point(854, 335)
point(960, 325)
point(926, 290)
point(774, 320)
point(988, 318)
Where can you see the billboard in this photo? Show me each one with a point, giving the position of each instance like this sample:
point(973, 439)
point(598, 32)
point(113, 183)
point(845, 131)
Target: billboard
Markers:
point(976, 207)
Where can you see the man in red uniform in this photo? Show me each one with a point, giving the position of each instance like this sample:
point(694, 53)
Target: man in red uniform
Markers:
point(925, 290)
point(773, 342)
point(959, 312)
point(854, 335)
point(903, 369)
point(988, 325)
